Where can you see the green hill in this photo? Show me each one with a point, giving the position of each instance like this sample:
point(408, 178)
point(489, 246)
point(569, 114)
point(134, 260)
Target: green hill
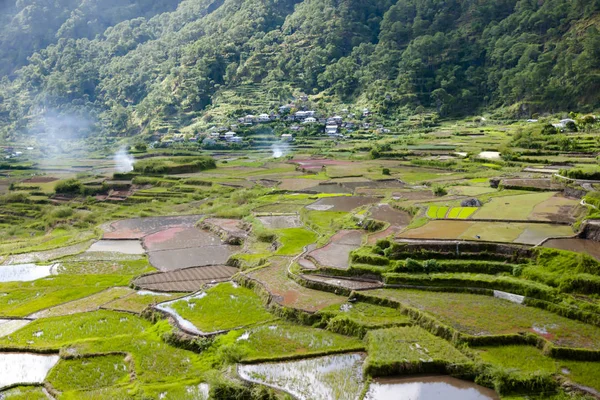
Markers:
point(138, 66)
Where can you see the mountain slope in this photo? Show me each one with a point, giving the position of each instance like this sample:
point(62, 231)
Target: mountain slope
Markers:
point(140, 66)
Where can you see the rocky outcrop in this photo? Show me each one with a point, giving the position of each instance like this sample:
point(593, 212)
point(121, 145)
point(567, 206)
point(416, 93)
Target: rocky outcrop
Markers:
point(591, 231)
point(471, 203)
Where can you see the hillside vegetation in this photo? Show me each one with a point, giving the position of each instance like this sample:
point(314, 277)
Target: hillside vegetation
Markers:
point(140, 66)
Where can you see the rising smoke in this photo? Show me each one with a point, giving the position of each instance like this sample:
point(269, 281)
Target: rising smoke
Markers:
point(123, 160)
point(280, 150)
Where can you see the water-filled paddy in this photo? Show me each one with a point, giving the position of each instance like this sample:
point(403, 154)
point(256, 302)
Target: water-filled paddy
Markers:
point(590, 247)
point(325, 378)
point(117, 246)
point(24, 272)
point(24, 368)
point(428, 388)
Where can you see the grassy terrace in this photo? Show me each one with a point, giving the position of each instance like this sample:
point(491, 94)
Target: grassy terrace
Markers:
point(282, 340)
point(223, 307)
point(529, 361)
point(480, 315)
point(408, 350)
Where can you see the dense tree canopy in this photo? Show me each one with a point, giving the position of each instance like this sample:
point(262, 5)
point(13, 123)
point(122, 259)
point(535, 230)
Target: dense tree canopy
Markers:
point(137, 65)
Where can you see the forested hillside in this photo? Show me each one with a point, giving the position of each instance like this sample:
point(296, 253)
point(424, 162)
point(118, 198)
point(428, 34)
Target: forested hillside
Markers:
point(135, 66)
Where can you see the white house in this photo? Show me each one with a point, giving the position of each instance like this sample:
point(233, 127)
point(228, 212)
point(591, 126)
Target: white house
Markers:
point(310, 120)
point(230, 134)
point(287, 137)
point(331, 129)
point(337, 119)
point(235, 139)
point(264, 118)
point(249, 119)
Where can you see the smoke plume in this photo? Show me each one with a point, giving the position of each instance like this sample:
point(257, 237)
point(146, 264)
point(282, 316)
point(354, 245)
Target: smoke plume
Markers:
point(280, 150)
point(123, 160)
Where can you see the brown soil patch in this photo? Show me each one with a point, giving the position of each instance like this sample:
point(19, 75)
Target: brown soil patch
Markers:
point(337, 252)
point(288, 293)
point(40, 179)
point(170, 260)
point(179, 238)
point(297, 184)
point(386, 213)
point(341, 203)
point(438, 230)
point(416, 195)
point(139, 227)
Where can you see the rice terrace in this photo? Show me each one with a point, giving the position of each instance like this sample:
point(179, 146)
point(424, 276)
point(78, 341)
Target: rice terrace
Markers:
point(235, 274)
point(300, 200)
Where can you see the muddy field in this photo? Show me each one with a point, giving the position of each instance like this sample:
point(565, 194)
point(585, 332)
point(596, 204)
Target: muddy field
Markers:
point(386, 213)
point(288, 293)
point(137, 228)
point(337, 252)
point(341, 203)
point(281, 222)
point(185, 280)
point(180, 238)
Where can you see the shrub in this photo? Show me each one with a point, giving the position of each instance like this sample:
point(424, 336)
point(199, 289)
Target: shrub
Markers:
point(439, 191)
point(69, 186)
point(385, 171)
point(549, 129)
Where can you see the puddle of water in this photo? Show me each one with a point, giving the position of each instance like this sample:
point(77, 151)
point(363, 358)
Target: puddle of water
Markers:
point(24, 272)
point(327, 378)
point(24, 368)
point(8, 326)
point(151, 293)
point(489, 155)
point(183, 323)
point(515, 298)
point(428, 388)
point(543, 329)
point(117, 246)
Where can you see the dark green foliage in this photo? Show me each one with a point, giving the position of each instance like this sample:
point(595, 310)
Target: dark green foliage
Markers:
point(549, 129)
point(175, 165)
point(69, 186)
point(152, 67)
point(580, 173)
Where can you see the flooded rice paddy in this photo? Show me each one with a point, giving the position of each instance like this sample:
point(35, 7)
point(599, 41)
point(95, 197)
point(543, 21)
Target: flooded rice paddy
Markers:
point(8, 326)
point(133, 247)
point(589, 247)
point(25, 272)
point(183, 323)
point(428, 388)
point(327, 378)
point(24, 368)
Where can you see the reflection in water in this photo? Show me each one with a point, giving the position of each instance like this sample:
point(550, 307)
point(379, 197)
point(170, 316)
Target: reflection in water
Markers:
point(24, 272)
point(428, 388)
point(590, 247)
point(324, 378)
point(24, 368)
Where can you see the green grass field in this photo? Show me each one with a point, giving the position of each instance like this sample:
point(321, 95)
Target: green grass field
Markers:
point(224, 307)
point(477, 315)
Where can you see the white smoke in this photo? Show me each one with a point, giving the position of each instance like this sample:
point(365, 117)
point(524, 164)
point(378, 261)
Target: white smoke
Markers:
point(123, 160)
point(280, 150)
